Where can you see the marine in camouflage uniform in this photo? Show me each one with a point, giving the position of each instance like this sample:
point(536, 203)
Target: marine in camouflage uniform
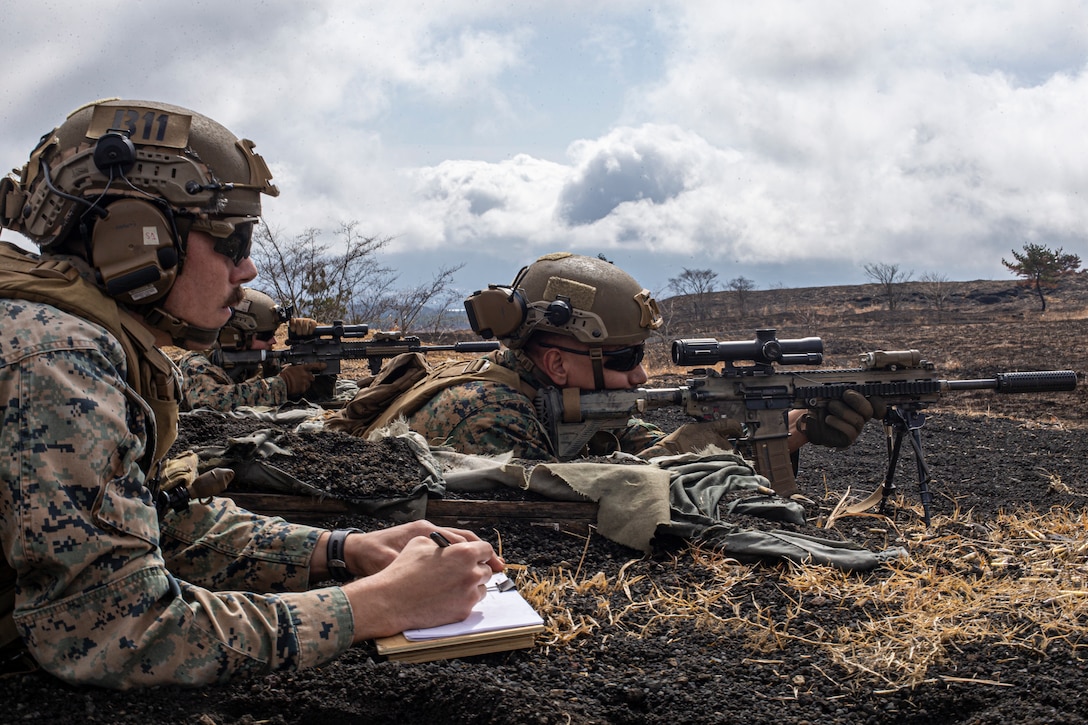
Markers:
point(252, 326)
point(105, 591)
point(97, 568)
point(576, 322)
point(572, 305)
point(209, 386)
point(489, 417)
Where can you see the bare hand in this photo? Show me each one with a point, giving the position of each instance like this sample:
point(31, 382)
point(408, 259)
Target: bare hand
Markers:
point(373, 551)
point(424, 586)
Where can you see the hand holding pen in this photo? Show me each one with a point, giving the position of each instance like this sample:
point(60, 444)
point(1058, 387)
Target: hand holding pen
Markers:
point(405, 582)
point(503, 584)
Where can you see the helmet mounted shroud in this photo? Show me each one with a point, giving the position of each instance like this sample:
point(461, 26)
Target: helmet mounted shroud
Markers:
point(120, 183)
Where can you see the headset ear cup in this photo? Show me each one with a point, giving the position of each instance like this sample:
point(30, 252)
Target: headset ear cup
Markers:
point(496, 312)
point(133, 252)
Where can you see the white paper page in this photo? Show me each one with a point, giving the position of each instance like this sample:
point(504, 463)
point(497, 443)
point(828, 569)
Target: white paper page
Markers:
point(497, 610)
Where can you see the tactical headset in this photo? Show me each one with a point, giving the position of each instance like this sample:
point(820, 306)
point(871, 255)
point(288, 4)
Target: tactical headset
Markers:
point(130, 179)
point(505, 313)
point(135, 245)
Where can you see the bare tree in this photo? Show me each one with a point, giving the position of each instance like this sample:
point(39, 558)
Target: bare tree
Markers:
point(936, 289)
point(350, 285)
point(741, 286)
point(1042, 267)
point(890, 279)
point(409, 307)
point(699, 284)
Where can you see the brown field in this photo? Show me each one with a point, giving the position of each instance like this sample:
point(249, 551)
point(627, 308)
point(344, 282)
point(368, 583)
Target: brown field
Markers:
point(986, 620)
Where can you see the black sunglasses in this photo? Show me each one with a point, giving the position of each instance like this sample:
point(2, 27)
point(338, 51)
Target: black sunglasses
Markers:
point(624, 359)
point(233, 236)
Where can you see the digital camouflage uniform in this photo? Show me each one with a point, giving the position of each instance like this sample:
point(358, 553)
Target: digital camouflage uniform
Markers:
point(486, 418)
point(206, 385)
point(106, 594)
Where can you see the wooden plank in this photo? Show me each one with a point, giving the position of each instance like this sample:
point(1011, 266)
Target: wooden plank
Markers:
point(513, 509)
point(571, 516)
point(292, 508)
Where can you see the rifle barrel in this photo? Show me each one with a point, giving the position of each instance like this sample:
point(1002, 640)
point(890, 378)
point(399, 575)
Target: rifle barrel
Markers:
point(1043, 381)
point(471, 346)
point(922, 387)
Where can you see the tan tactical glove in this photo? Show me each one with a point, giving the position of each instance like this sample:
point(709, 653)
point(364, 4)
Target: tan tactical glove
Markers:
point(300, 377)
point(179, 482)
point(694, 437)
point(841, 422)
point(301, 326)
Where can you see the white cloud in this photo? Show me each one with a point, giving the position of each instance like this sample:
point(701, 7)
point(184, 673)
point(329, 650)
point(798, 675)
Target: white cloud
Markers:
point(811, 136)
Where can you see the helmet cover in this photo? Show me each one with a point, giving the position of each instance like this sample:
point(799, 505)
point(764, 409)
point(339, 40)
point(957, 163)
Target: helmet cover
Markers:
point(587, 298)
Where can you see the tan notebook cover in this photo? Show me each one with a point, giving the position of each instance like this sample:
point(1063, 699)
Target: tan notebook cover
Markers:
point(399, 648)
point(502, 620)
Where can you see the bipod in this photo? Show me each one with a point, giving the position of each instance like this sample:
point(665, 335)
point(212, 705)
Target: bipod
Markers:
point(902, 420)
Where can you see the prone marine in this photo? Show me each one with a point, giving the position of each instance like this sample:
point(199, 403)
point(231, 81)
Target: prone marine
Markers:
point(144, 214)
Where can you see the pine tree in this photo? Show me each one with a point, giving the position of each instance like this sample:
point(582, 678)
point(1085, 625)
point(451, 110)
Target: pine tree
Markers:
point(1042, 267)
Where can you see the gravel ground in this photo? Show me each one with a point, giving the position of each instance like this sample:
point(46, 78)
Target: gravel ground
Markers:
point(983, 623)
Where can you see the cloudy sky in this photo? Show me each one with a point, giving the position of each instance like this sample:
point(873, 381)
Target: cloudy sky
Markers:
point(790, 143)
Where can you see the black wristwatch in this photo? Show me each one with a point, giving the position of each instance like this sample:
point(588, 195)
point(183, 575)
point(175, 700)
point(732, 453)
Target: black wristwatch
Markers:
point(338, 568)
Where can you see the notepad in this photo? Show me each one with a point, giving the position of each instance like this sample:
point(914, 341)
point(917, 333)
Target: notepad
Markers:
point(497, 610)
point(502, 620)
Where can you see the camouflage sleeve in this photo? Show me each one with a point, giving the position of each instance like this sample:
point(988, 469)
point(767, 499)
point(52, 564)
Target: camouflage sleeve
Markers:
point(209, 386)
point(484, 418)
point(95, 602)
point(218, 545)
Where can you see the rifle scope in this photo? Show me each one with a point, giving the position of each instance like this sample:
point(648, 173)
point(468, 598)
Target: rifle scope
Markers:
point(765, 349)
point(339, 329)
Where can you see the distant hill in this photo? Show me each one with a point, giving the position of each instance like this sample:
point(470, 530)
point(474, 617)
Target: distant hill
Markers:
point(731, 315)
point(801, 310)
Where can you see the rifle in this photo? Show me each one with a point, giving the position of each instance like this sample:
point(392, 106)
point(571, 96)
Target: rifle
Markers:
point(760, 396)
point(326, 345)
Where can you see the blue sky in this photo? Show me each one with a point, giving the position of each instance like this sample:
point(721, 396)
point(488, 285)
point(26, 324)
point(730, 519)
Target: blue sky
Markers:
point(787, 142)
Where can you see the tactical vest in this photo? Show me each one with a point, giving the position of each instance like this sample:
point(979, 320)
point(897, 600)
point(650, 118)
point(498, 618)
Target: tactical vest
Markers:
point(150, 375)
point(374, 408)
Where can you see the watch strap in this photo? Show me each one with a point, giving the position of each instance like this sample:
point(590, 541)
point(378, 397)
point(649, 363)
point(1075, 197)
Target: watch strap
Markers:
point(338, 568)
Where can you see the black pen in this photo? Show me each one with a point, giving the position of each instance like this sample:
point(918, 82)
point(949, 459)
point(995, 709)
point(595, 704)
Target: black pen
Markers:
point(438, 538)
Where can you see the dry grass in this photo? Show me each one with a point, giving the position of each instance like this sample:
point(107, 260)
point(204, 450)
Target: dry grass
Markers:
point(1019, 582)
point(1065, 315)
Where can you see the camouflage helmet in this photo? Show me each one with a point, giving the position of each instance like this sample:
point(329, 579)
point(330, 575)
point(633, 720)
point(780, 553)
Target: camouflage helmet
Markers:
point(257, 315)
point(607, 306)
point(121, 183)
point(586, 298)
